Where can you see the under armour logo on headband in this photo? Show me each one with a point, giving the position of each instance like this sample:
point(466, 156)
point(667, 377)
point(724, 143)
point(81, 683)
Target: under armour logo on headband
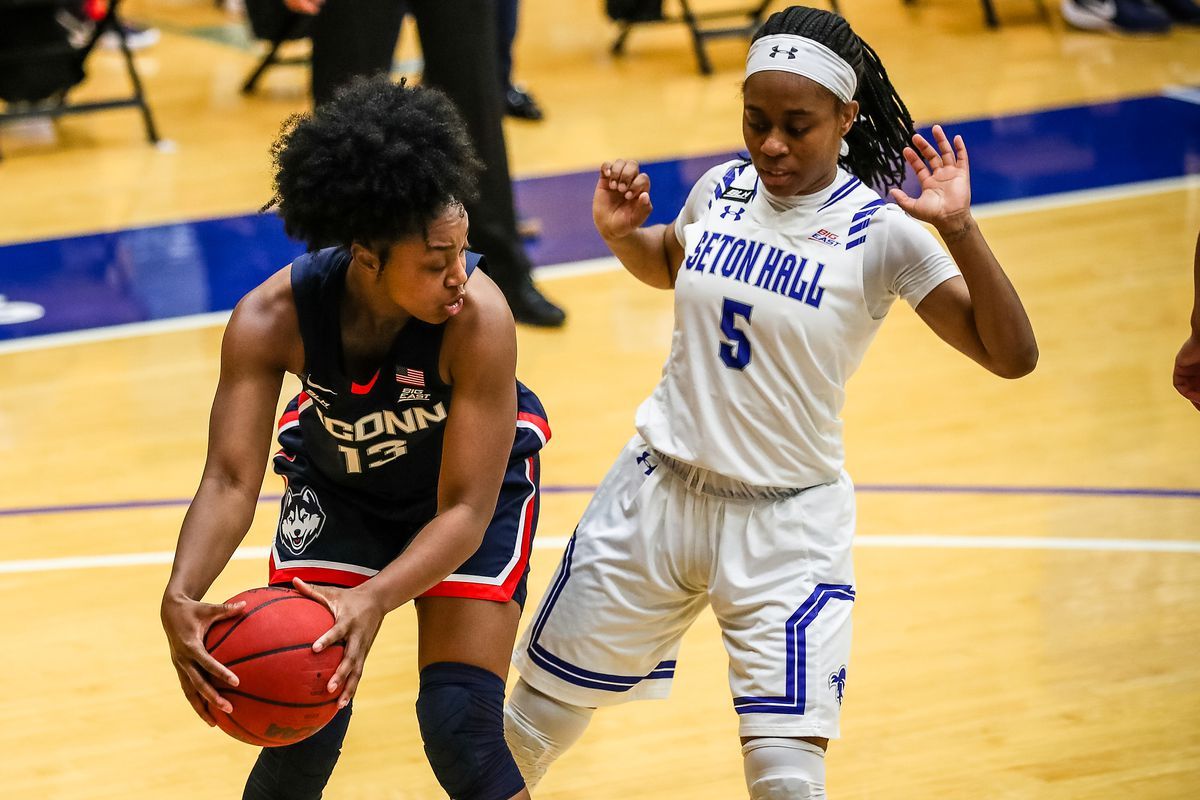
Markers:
point(785, 52)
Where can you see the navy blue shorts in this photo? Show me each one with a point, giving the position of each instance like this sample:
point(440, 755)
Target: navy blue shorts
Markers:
point(327, 536)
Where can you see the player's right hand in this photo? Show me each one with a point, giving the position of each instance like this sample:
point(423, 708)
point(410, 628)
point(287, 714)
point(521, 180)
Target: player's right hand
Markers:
point(357, 616)
point(621, 202)
point(1187, 370)
point(186, 621)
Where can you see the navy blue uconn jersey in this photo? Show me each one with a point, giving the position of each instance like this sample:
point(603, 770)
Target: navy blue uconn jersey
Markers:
point(378, 443)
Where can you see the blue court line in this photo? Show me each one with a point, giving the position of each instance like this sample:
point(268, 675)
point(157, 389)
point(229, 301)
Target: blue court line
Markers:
point(201, 266)
point(866, 488)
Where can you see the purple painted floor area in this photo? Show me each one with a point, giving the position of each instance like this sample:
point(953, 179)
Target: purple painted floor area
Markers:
point(169, 271)
point(563, 204)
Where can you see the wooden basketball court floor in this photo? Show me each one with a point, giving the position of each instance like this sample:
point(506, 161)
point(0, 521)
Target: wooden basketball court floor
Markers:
point(1028, 556)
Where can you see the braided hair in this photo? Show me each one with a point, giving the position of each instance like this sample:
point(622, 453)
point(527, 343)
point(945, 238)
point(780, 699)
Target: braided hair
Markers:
point(884, 127)
point(372, 165)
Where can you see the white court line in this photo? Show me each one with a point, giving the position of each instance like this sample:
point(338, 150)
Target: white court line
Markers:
point(559, 542)
point(127, 331)
point(1125, 191)
point(597, 265)
point(1028, 543)
point(574, 269)
point(195, 321)
point(1188, 94)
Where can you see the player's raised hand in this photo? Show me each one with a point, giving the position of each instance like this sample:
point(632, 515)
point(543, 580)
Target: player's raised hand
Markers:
point(621, 202)
point(1187, 370)
point(357, 617)
point(185, 622)
point(944, 173)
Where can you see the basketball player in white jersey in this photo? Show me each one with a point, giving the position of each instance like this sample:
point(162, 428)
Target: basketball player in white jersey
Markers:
point(732, 492)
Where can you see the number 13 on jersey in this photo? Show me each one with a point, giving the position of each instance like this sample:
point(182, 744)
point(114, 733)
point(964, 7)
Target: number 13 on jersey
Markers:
point(735, 347)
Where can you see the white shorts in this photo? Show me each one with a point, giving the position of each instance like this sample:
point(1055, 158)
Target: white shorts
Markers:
point(653, 548)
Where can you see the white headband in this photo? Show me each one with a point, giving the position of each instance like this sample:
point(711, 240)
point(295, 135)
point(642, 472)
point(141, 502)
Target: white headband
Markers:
point(813, 60)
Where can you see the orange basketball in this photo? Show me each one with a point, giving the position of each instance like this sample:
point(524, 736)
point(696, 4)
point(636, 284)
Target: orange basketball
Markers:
point(281, 697)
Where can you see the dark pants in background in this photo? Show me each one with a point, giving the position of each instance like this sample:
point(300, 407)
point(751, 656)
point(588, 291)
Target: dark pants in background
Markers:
point(506, 31)
point(459, 41)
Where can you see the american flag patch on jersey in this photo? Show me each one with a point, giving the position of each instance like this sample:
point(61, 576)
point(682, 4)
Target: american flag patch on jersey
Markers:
point(410, 377)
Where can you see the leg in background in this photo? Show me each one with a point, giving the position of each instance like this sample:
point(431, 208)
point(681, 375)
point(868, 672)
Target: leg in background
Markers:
point(352, 39)
point(539, 729)
point(458, 39)
point(298, 771)
point(785, 769)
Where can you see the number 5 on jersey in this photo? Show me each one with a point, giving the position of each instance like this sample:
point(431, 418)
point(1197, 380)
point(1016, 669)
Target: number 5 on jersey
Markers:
point(735, 347)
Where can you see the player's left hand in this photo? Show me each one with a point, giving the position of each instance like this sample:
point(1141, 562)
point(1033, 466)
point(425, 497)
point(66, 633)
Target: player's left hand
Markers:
point(945, 199)
point(357, 617)
point(1187, 370)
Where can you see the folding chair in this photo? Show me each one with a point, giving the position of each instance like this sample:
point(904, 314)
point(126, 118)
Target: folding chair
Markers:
point(272, 22)
point(753, 16)
point(989, 11)
point(35, 54)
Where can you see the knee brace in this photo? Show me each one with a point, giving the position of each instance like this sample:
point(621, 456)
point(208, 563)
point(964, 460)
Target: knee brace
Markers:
point(539, 729)
point(460, 709)
point(784, 769)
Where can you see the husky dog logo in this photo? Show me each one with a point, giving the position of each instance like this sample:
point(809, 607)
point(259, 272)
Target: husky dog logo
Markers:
point(837, 682)
point(301, 520)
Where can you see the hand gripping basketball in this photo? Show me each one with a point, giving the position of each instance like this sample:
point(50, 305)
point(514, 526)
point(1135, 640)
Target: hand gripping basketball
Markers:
point(281, 694)
point(357, 619)
point(185, 620)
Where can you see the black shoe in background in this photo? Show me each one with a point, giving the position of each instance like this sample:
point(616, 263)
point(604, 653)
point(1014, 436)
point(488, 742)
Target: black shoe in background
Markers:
point(1186, 12)
point(530, 307)
point(520, 104)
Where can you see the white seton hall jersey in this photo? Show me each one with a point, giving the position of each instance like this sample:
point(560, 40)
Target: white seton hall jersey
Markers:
point(772, 316)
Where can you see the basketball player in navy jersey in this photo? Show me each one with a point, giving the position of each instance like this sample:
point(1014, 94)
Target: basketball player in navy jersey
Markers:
point(733, 492)
point(411, 454)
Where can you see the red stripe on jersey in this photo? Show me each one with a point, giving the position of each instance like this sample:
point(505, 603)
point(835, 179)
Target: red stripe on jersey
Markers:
point(540, 422)
point(303, 401)
point(504, 592)
point(335, 577)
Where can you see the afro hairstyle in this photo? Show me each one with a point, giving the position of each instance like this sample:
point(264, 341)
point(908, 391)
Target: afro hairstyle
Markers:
point(373, 165)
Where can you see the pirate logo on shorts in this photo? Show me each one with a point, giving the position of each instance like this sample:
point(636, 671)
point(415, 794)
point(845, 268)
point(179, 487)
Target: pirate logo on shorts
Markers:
point(837, 682)
point(301, 520)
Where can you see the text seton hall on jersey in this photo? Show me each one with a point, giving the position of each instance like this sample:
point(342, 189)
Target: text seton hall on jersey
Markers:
point(777, 271)
point(375, 424)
